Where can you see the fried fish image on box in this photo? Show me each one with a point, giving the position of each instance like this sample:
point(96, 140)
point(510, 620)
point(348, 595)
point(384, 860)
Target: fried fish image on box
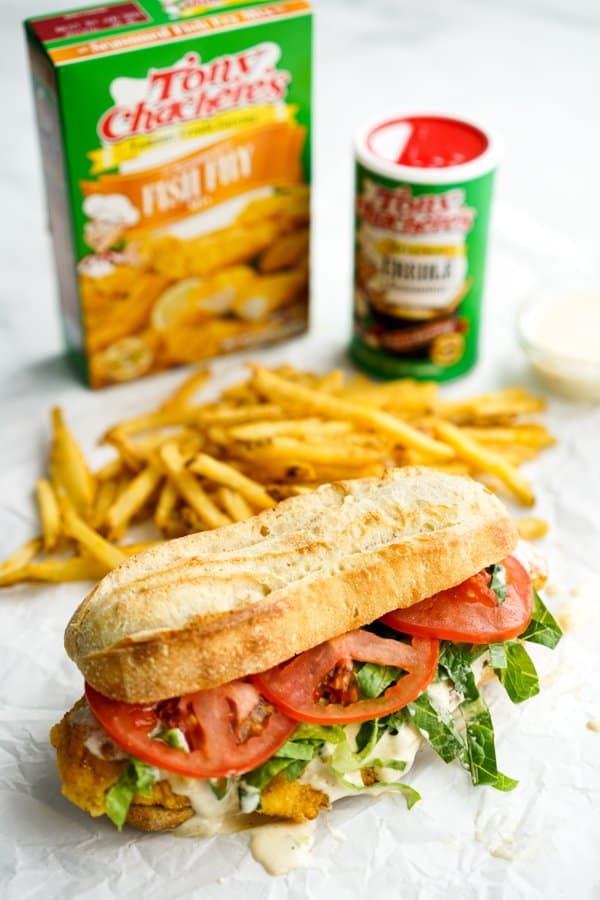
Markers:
point(176, 151)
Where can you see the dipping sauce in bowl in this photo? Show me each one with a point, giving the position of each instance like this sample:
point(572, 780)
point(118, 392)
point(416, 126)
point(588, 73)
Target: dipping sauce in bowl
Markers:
point(561, 336)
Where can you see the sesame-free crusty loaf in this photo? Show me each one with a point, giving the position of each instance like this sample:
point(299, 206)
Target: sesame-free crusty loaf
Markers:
point(201, 610)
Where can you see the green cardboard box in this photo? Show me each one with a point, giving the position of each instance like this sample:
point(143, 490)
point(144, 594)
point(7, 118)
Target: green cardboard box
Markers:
point(175, 139)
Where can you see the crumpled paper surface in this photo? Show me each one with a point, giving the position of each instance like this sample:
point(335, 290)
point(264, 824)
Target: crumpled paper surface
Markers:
point(459, 842)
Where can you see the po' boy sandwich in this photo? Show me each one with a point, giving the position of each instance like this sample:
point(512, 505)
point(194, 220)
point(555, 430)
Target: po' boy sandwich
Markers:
point(266, 668)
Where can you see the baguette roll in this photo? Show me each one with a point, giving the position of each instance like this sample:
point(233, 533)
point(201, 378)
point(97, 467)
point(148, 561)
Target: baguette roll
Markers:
point(202, 610)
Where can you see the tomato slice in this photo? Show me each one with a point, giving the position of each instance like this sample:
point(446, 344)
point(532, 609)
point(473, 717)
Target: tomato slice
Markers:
point(299, 687)
point(470, 611)
point(230, 729)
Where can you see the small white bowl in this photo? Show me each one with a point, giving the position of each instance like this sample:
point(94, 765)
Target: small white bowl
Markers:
point(559, 330)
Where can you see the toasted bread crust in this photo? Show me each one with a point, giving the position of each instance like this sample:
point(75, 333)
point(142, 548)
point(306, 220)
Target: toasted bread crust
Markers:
point(202, 610)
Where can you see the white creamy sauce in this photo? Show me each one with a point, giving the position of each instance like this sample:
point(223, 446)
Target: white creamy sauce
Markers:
point(443, 696)
point(319, 776)
point(280, 848)
point(211, 814)
point(563, 346)
point(402, 746)
point(97, 742)
point(567, 327)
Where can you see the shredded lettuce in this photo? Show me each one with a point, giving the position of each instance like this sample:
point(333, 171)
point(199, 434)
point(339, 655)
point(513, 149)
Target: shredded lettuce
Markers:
point(517, 674)
point(438, 728)
point(498, 581)
point(497, 654)
point(543, 628)
point(479, 755)
point(219, 786)
point(410, 795)
point(292, 759)
point(174, 737)
point(330, 734)
point(472, 745)
point(136, 778)
point(373, 679)
point(481, 748)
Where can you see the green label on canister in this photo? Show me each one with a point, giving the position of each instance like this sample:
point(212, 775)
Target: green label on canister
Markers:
point(423, 198)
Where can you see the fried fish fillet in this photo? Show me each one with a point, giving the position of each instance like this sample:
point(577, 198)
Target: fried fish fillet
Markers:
point(89, 764)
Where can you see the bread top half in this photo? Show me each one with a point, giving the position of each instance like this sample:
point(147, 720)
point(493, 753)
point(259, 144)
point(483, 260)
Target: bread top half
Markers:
point(201, 610)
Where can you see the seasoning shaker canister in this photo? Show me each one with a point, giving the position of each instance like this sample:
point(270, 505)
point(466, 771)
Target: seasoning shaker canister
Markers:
point(423, 198)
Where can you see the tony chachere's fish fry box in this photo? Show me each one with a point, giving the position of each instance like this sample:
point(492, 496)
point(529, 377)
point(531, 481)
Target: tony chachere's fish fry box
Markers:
point(175, 139)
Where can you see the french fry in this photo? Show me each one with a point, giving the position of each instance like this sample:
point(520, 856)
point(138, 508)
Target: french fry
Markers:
point(336, 453)
point(187, 390)
point(190, 489)
point(279, 433)
point(49, 513)
point(480, 457)
point(260, 431)
point(199, 416)
point(507, 403)
point(529, 435)
point(234, 504)
point(161, 419)
point(515, 454)
point(332, 382)
point(531, 528)
point(130, 500)
point(106, 495)
point(76, 568)
point(282, 391)
point(103, 551)
point(68, 469)
point(402, 395)
point(222, 473)
point(110, 470)
point(167, 502)
point(21, 557)
point(132, 549)
point(126, 448)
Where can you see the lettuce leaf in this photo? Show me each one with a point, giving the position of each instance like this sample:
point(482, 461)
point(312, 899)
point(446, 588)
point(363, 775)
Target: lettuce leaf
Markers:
point(518, 674)
point(174, 737)
point(480, 756)
point(438, 728)
point(219, 786)
point(455, 662)
point(306, 731)
point(410, 795)
point(543, 628)
point(136, 778)
point(374, 679)
point(294, 756)
point(481, 748)
point(498, 581)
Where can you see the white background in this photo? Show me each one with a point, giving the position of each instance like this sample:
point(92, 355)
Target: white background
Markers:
point(532, 69)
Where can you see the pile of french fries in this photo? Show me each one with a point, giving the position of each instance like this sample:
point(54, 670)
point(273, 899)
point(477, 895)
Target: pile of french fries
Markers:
point(191, 466)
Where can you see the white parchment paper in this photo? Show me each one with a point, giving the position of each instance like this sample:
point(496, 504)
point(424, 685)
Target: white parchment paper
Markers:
point(542, 840)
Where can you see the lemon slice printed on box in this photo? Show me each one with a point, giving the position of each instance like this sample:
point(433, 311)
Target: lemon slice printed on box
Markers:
point(211, 296)
point(127, 358)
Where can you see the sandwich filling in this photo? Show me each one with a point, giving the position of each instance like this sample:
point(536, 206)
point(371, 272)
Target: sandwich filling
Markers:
point(343, 718)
